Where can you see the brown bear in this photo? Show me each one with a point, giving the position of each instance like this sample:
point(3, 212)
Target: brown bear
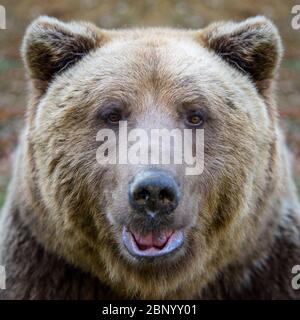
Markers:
point(73, 228)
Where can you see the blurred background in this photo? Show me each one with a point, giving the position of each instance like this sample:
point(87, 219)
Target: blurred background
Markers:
point(122, 13)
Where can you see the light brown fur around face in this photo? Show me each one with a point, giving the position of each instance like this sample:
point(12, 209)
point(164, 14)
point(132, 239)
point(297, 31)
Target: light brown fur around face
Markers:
point(236, 214)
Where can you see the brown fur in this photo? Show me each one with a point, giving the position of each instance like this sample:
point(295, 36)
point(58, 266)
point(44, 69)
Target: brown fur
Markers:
point(60, 229)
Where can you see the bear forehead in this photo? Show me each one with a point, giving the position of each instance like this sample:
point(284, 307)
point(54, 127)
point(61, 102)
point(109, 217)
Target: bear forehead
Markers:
point(167, 65)
point(150, 45)
point(166, 60)
point(154, 35)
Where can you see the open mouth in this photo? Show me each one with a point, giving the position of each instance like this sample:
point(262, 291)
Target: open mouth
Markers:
point(152, 245)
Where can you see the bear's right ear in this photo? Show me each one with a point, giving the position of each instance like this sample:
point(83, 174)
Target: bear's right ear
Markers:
point(51, 46)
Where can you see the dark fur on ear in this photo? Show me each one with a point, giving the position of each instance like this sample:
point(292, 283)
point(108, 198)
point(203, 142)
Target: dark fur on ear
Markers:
point(252, 46)
point(51, 46)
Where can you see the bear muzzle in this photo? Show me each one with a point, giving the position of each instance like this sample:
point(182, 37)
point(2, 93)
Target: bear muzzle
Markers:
point(153, 196)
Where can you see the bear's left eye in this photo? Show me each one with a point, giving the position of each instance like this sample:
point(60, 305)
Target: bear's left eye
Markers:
point(194, 120)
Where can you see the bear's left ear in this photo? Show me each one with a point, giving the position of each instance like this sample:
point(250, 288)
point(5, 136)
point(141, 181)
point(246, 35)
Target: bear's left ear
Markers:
point(252, 46)
point(51, 46)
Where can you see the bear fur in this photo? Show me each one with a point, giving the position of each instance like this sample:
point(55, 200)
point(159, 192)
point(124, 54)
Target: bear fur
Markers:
point(60, 226)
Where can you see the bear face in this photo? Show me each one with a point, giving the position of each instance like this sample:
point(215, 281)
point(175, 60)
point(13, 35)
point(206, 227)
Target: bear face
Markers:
point(97, 216)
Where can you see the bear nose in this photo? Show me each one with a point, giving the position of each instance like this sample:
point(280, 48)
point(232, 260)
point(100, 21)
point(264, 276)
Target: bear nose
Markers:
point(154, 191)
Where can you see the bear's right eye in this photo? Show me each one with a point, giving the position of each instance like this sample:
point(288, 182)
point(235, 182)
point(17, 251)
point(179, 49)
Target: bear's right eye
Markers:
point(114, 117)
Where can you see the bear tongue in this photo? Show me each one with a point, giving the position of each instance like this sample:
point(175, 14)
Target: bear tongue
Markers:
point(151, 239)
